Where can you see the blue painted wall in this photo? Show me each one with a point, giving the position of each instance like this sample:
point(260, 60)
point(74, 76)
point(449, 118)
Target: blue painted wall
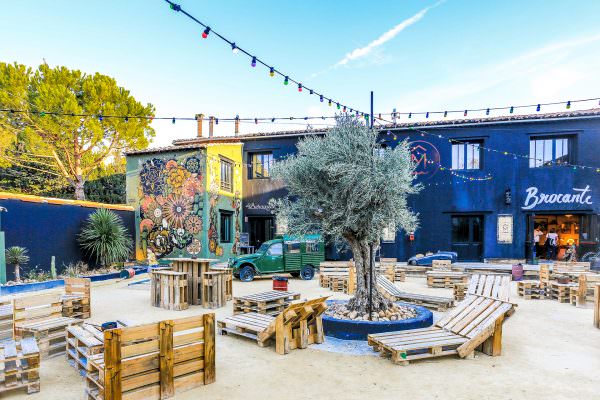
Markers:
point(447, 195)
point(48, 230)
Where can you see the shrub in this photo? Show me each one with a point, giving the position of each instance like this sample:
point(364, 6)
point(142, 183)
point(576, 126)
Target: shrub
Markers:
point(17, 256)
point(38, 275)
point(74, 270)
point(105, 238)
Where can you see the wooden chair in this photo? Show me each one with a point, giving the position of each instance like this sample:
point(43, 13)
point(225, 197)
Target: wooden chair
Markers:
point(393, 293)
point(296, 327)
point(475, 322)
point(490, 285)
point(77, 298)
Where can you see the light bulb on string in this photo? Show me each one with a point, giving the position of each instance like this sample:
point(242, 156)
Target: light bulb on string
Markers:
point(445, 114)
point(126, 119)
point(206, 32)
point(427, 115)
point(256, 120)
point(344, 109)
point(100, 118)
point(299, 87)
point(538, 108)
point(234, 48)
point(338, 106)
point(329, 103)
point(310, 91)
point(321, 98)
point(512, 109)
point(272, 119)
point(409, 115)
point(568, 104)
point(173, 120)
point(465, 114)
point(253, 63)
point(286, 80)
point(487, 112)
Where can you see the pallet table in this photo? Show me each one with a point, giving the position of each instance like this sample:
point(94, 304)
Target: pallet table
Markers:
point(530, 289)
point(228, 281)
point(169, 289)
point(214, 284)
point(194, 267)
point(445, 279)
point(271, 302)
point(559, 291)
point(6, 319)
point(19, 366)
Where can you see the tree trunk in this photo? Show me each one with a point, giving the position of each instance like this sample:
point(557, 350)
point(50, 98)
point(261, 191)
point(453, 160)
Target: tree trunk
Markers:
point(79, 188)
point(17, 273)
point(360, 301)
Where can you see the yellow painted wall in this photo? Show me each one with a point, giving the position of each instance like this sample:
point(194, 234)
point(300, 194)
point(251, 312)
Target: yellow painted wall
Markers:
point(232, 151)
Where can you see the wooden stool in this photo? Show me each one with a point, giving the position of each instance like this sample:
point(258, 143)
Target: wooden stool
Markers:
point(460, 290)
point(228, 281)
point(169, 289)
point(214, 285)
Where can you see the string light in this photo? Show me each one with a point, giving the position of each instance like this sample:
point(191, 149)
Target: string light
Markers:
point(206, 32)
point(338, 106)
point(253, 63)
point(487, 112)
point(538, 108)
point(299, 87)
point(100, 118)
point(173, 120)
point(512, 109)
point(568, 104)
point(321, 98)
point(329, 103)
point(271, 72)
point(234, 48)
point(426, 116)
point(445, 114)
point(465, 114)
point(286, 80)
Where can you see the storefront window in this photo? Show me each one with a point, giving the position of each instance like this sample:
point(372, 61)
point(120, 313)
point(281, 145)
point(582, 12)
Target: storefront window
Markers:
point(549, 151)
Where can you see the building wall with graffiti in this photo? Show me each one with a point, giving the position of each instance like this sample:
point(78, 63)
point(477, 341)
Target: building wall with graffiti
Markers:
point(177, 201)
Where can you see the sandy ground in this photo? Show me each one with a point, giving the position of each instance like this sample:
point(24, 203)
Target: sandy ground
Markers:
point(551, 350)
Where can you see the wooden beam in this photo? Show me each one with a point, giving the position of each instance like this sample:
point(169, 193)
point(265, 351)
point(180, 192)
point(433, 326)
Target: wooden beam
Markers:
point(112, 365)
point(209, 349)
point(167, 388)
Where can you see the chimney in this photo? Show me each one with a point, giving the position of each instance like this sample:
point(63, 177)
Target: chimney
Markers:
point(199, 118)
point(211, 125)
point(237, 125)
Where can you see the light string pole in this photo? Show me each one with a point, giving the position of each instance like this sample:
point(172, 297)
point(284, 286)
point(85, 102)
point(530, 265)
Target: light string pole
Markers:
point(371, 246)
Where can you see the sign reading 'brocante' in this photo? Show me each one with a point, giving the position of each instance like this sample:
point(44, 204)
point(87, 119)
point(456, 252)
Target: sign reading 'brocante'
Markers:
point(576, 197)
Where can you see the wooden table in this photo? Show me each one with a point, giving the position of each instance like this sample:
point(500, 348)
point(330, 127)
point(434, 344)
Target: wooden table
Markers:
point(228, 281)
point(195, 268)
point(169, 290)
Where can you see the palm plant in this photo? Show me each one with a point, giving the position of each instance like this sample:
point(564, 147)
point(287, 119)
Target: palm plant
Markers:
point(17, 256)
point(105, 238)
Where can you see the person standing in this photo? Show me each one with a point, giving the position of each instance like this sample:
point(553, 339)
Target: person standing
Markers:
point(537, 234)
point(552, 240)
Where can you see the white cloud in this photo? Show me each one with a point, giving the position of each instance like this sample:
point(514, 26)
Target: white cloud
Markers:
point(386, 37)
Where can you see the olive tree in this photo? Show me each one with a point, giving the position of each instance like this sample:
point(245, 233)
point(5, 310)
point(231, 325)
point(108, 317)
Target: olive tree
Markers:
point(348, 187)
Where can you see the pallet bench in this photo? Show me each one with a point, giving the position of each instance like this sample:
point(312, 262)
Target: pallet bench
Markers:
point(474, 323)
point(41, 317)
point(445, 279)
point(6, 319)
point(530, 290)
point(271, 302)
point(169, 289)
point(19, 366)
point(490, 285)
point(77, 298)
point(559, 291)
point(154, 361)
point(393, 293)
point(297, 326)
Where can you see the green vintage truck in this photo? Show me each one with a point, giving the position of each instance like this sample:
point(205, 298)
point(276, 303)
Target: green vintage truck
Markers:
point(298, 256)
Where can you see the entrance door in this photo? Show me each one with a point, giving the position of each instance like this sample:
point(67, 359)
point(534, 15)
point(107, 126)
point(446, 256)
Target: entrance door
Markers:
point(261, 230)
point(467, 237)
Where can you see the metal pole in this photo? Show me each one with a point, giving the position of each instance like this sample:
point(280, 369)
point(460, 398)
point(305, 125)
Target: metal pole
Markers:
point(371, 255)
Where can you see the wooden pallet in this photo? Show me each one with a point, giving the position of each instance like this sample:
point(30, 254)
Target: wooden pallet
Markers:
point(597, 305)
point(530, 290)
point(393, 293)
point(399, 274)
point(154, 361)
point(459, 291)
point(413, 270)
point(19, 366)
point(77, 298)
point(271, 302)
point(490, 285)
point(560, 291)
point(296, 327)
point(475, 322)
point(441, 265)
point(83, 342)
point(228, 281)
point(169, 289)
point(386, 269)
point(338, 276)
point(41, 317)
point(445, 279)
point(6, 319)
point(214, 288)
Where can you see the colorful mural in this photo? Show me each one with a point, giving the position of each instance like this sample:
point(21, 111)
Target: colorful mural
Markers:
point(171, 205)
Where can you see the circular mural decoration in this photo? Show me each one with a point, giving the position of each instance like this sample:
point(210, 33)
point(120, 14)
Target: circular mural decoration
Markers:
point(426, 158)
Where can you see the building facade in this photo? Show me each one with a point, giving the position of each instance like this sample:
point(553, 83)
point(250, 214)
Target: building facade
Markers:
point(487, 184)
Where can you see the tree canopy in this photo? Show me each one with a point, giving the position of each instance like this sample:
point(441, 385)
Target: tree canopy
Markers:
point(75, 145)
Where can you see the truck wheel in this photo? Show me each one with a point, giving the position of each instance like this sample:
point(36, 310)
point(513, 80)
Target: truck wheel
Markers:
point(246, 274)
point(295, 274)
point(307, 272)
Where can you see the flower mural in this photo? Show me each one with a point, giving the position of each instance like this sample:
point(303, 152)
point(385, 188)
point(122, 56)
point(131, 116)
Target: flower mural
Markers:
point(195, 247)
point(193, 224)
point(176, 176)
point(151, 176)
point(176, 209)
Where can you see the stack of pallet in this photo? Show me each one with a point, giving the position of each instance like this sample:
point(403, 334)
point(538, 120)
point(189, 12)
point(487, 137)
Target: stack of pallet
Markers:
point(41, 317)
point(446, 279)
point(559, 291)
point(413, 270)
point(6, 319)
point(386, 269)
point(228, 280)
point(545, 276)
point(584, 291)
point(530, 290)
point(214, 287)
point(19, 366)
point(76, 300)
point(338, 276)
point(154, 361)
point(459, 291)
point(441, 265)
point(271, 302)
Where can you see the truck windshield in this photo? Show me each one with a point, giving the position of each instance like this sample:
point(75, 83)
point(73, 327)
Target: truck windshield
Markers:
point(263, 248)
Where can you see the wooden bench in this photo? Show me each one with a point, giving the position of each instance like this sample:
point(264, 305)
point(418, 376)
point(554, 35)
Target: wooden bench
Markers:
point(77, 298)
point(393, 293)
point(6, 319)
point(154, 361)
point(297, 326)
point(19, 366)
point(490, 285)
point(475, 322)
point(169, 289)
point(445, 278)
point(271, 302)
point(41, 317)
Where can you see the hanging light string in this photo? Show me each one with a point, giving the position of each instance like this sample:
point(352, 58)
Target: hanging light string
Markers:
point(488, 110)
point(255, 61)
point(487, 177)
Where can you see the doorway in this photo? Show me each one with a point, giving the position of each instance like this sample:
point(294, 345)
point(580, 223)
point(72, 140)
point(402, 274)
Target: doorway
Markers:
point(467, 237)
point(261, 230)
point(568, 227)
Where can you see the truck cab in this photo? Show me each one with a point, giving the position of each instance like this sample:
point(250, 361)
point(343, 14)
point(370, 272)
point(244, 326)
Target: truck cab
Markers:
point(297, 255)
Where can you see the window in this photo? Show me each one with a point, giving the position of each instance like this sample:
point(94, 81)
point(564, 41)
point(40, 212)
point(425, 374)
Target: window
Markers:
point(226, 217)
point(544, 152)
point(226, 175)
point(466, 155)
point(293, 247)
point(276, 250)
point(312, 247)
point(389, 234)
point(260, 165)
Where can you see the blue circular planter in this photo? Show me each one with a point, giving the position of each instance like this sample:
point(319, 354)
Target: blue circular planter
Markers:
point(359, 330)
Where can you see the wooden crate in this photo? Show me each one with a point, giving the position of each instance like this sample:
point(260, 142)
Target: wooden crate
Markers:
point(83, 342)
point(41, 317)
point(214, 288)
point(445, 279)
point(19, 366)
point(459, 291)
point(530, 290)
point(77, 298)
point(399, 274)
point(6, 319)
point(169, 289)
point(271, 302)
point(154, 361)
point(228, 282)
point(559, 291)
point(441, 265)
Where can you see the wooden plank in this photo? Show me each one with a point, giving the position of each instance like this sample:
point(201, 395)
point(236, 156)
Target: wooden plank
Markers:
point(167, 389)
point(112, 364)
point(597, 306)
point(209, 349)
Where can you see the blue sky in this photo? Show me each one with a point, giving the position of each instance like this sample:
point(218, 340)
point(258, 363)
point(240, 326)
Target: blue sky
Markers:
point(415, 55)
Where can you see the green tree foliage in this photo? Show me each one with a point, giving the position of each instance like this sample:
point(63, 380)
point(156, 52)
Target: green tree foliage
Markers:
point(347, 187)
point(105, 238)
point(17, 256)
point(76, 145)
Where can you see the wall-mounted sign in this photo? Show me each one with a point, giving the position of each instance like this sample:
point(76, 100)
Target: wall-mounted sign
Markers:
point(505, 228)
point(254, 206)
point(244, 238)
point(426, 158)
point(576, 197)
